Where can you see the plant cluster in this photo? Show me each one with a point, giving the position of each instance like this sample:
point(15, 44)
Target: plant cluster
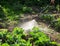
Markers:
point(13, 8)
point(47, 17)
point(18, 38)
point(55, 23)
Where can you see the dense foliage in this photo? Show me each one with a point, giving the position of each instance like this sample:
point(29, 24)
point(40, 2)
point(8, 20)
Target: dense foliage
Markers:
point(18, 38)
point(11, 9)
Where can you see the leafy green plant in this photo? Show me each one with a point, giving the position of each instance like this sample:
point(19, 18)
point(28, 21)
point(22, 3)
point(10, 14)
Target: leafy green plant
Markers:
point(15, 44)
point(5, 44)
point(39, 37)
point(3, 33)
point(17, 38)
point(28, 43)
point(10, 39)
point(27, 9)
point(53, 43)
point(47, 17)
point(18, 30)
point(57, 24)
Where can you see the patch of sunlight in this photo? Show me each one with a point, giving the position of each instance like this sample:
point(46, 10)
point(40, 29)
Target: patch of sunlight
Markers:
point(27, 26)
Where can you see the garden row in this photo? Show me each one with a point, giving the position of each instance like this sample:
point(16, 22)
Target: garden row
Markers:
point(18, 38)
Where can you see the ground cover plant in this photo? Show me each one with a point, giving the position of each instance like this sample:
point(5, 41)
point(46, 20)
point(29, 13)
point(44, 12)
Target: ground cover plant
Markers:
point(56, 24)
point(18, 38)
point(52, 20)
point(47, 17)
